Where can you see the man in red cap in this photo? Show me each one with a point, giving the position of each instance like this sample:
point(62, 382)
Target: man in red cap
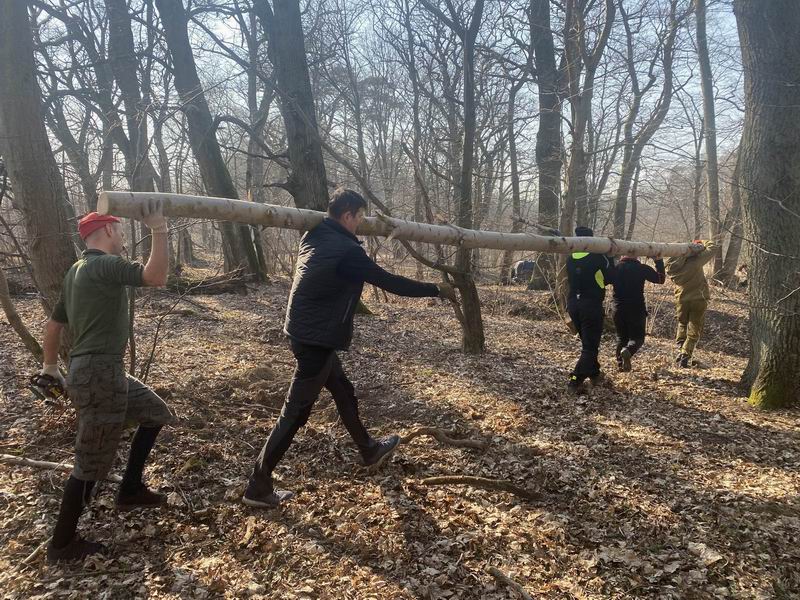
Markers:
point(94, 306)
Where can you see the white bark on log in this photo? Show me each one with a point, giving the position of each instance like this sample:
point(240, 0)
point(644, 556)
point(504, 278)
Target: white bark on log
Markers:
point(128, 204)
point(10, 459)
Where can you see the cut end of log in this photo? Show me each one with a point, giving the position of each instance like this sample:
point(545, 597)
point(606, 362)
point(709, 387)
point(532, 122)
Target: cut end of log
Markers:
point(102, 203)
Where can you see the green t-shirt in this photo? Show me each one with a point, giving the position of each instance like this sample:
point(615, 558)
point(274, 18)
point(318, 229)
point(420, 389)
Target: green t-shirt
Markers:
point(94, 302)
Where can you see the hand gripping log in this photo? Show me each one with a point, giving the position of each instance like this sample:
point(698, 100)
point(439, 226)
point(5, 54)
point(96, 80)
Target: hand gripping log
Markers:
point(127, 204)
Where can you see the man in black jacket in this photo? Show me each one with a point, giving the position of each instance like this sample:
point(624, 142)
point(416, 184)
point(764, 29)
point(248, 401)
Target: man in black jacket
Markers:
point(630, 311)
point(331, 271)
point(588, 275)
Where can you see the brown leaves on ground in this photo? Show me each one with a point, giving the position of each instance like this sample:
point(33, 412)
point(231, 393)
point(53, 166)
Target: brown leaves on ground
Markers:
point(660, 483)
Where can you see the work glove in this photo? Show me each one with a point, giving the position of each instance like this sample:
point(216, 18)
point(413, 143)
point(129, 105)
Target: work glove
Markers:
point(153, 216)
point(446, 290)
point(52, 371)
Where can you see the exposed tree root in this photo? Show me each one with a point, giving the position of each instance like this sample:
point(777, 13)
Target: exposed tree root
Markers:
point(500, 485)
point(443, 436)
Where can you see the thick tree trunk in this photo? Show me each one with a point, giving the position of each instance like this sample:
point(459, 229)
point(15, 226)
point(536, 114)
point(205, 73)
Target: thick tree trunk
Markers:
point(307, 181)
point(548, 137)
point(38, 185)
point(710, 126)
point(236, 240)
point(770, 185)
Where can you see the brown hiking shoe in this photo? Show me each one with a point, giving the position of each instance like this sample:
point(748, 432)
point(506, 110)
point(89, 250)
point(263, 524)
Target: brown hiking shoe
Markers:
point(77, 549)
point(142, 498)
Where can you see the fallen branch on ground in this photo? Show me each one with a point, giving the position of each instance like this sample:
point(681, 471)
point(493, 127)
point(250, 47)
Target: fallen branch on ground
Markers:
point(226, 283)
point(39, 549)
point(500, 485)
point(443, 436)
point(10, 459)
point(503, 578)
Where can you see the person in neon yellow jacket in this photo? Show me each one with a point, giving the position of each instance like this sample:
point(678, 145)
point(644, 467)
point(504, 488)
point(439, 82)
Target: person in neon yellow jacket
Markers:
point(588, 274)
point(691, 297)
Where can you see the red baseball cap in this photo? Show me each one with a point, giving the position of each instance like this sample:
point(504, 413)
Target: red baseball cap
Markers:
point(94, 221)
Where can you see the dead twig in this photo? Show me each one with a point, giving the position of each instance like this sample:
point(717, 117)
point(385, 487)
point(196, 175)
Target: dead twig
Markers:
point(499, 485)
point(32, 556)
point(505, 579)
point(443, 436)
point(10, 459)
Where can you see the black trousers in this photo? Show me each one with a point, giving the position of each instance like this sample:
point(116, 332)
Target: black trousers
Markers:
point(316, 368)
point(587, 315)
point(630, 323)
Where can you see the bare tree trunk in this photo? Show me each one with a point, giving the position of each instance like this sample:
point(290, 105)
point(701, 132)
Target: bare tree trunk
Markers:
point(76, 154)
point(307, 181)
point(770, 182)
point(636, 142)
point(733, 225)
point(580, 62)
point(548, 136)
point(236, 239)
point(697, 186)
point(473, 340)
point(634, 202)
point(419, 190)
point(516, 202)
point(710, 125)
point(38, 185)
point(16, 321)
point(125, 66)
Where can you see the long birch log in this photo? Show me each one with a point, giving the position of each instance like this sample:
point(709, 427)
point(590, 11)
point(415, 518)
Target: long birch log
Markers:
point(127, 204)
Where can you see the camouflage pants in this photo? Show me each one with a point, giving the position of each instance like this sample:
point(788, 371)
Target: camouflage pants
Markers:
point(107, 401)
point(691, 318)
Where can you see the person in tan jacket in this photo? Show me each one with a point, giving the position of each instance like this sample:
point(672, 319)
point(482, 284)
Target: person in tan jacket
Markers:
point(691, 297)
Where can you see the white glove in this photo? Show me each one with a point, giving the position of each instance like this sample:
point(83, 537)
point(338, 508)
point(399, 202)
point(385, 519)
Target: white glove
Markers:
point(153, 216)
point(52, 371)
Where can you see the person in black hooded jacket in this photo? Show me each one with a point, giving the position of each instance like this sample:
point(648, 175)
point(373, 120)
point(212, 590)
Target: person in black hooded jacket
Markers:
point(630, 311)
point(331, 271)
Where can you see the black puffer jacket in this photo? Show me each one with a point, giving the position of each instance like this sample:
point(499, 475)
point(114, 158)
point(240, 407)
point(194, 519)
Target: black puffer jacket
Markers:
point(332, 268)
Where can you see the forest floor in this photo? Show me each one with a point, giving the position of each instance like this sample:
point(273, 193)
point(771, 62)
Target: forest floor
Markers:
point(662, 483)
